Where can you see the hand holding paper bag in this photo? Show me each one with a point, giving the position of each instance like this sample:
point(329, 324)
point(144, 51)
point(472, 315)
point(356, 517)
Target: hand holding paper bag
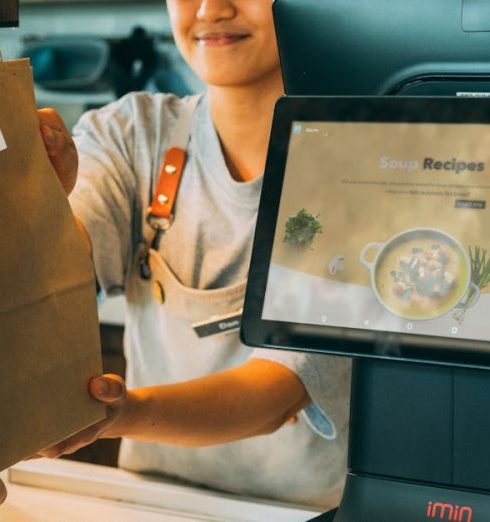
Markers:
point(111, 390)
point(49, 341)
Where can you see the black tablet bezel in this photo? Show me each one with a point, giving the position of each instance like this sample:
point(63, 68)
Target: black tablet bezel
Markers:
point(256, 331)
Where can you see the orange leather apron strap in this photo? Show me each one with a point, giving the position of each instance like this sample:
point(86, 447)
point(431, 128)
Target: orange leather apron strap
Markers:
point(168, 184)
point(160, 211)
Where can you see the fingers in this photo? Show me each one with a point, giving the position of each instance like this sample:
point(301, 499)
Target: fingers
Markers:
point(77, 441)
point(55, 134)
point(108, 388)
point(52, 125)
point(70, 445)
point(59, 146)
point(3, 492)
point(34, 457)
point(111, 390)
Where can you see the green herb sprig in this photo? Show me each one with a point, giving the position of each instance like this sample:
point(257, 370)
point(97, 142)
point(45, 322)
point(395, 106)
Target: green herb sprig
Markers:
point(302, 228)
point(480, 276)
point(480, 266)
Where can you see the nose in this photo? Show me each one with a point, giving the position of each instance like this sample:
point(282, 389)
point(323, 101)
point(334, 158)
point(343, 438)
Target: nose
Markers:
point(216, 10)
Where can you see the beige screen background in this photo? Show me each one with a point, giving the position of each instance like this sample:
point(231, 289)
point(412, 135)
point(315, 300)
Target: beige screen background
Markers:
point(366, 183)
point(333, 171)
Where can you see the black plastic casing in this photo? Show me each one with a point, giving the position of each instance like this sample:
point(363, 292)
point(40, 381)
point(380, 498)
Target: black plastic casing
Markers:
point(375, 47)
point(419, 440)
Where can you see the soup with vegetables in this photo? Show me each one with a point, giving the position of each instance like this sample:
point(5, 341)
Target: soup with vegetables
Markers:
point(421, 277)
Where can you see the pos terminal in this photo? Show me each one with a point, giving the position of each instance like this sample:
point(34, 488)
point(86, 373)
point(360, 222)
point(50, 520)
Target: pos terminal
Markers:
point(372, 241)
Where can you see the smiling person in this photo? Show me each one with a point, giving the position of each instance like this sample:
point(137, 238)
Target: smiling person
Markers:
point(207, 410)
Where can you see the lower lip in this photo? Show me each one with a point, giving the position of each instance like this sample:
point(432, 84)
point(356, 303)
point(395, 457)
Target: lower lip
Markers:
point(221, 41)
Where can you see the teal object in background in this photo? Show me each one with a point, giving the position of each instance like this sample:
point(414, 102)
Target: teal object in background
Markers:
point(69, 63)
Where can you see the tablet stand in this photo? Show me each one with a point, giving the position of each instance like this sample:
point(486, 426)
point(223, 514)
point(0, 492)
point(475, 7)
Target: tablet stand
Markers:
point(419, 446)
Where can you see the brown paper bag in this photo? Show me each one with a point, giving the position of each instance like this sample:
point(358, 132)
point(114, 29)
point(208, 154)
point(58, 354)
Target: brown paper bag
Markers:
point(49, 337)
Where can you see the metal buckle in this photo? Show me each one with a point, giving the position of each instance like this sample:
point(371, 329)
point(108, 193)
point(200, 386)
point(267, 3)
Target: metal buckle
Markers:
point(159, 224)
point(144, 267)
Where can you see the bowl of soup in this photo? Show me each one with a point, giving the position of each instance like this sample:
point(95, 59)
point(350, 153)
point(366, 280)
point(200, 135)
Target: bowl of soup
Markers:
point(420, 274)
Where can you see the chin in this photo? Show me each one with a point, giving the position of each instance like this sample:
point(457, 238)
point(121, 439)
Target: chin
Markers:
point(232, 78)
point(225, 80)
point(217, 82)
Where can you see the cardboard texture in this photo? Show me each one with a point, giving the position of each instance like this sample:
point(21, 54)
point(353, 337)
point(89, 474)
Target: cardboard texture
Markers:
point(49, 336)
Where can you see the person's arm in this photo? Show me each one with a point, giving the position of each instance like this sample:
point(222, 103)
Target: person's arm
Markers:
point(253, 399)
point(256, 398)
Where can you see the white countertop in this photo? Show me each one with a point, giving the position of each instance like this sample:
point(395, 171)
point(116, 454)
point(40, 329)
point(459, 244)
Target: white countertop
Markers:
point(26, 504)
point(61, 490)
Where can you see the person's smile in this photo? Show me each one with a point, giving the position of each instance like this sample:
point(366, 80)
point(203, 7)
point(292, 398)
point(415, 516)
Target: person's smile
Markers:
point(227, 42)
point(220, 38)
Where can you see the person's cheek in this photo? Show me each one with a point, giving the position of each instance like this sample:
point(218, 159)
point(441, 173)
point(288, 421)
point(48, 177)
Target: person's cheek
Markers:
point(181, 19)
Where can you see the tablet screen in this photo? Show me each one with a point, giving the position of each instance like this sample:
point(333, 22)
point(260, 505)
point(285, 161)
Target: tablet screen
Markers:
point(384, 226)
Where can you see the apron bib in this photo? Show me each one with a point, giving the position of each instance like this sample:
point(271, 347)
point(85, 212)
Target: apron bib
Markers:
point(293, 464)
point(161, 347)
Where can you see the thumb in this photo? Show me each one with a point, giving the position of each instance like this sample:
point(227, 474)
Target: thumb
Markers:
point(108, 388)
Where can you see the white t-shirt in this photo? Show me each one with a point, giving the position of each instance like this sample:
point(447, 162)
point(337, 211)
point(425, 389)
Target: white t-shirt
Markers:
point(205, 257)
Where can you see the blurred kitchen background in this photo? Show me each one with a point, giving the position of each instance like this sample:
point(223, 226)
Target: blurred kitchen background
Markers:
point(86, 54)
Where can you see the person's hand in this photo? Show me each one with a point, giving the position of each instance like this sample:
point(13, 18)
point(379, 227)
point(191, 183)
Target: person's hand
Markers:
point(3, 492)
point(111, 390)
point(60, 147)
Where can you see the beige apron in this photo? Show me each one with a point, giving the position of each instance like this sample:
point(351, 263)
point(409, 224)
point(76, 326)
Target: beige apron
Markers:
point(293, 464)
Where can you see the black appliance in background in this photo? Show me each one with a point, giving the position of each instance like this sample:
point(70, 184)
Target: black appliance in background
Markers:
point(134, 60)
point(420, 434)
point(93, 64)
point(376, 47)
point(9, 13)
